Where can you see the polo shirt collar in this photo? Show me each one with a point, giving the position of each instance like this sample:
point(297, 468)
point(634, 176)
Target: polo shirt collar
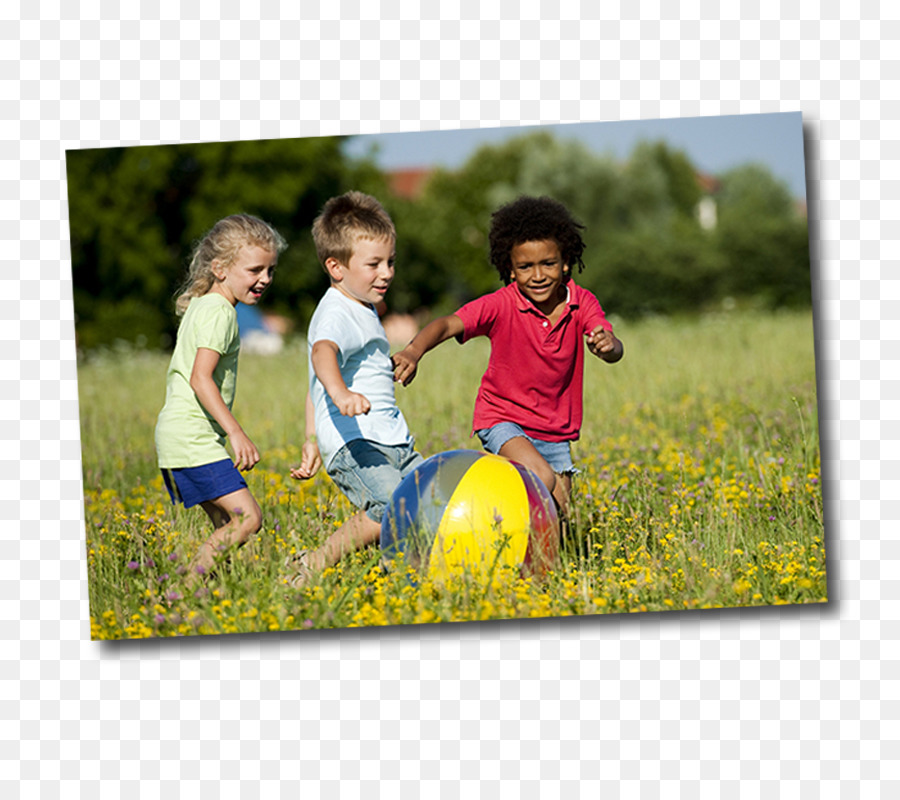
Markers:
point(524, 304)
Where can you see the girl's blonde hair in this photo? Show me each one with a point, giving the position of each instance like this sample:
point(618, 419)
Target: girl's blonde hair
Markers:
point(222, 243)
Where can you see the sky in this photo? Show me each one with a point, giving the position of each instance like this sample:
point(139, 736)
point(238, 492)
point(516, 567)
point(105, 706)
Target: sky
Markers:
point(713, 144)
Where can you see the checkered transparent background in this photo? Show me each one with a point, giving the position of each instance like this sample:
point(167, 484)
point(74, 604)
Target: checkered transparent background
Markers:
point(777, 702)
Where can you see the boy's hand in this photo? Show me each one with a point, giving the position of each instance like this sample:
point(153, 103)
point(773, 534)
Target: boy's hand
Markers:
point(604, 344)
point(351, 404)
point(405, 366)
point(310, 461)
point(438, 330)
point(246, 456)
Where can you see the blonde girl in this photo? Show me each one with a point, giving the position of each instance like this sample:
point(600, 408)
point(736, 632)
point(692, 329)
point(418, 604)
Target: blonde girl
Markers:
point(234, 262)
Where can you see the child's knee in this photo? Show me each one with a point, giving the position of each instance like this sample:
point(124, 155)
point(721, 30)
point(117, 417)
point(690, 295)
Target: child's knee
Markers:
point(545, 472)
point(249, 525)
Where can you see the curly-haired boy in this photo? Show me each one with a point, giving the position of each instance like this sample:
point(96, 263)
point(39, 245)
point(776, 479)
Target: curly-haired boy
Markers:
point(529, 404)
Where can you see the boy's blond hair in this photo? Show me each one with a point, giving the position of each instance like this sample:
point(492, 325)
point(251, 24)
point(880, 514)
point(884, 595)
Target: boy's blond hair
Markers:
point(345, 220)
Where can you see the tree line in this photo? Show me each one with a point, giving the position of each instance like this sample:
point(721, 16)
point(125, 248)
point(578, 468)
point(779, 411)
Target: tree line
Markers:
point(658, 240)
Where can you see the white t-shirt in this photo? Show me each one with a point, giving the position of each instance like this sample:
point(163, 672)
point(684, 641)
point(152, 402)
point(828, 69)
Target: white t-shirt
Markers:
point(364, 359)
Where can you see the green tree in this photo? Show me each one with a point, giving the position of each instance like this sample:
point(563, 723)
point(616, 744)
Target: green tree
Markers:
point(763, 239)
point(448, 226)
point(121, 259)
point(657, 183)
point(136, 212)
point(460, 204)
point(659, 269)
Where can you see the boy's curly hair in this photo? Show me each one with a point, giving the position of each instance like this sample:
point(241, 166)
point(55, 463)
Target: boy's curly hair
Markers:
point(531, 219)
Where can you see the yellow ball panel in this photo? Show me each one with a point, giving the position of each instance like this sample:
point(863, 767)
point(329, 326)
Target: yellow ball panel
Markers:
point(487, 512)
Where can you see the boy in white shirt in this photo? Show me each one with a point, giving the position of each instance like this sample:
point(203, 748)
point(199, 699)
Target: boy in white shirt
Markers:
point(363, 439)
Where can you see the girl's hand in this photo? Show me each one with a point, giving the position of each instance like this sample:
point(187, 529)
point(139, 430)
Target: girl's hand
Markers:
point(310, 462)
point(245, 452)
point(405, 366)
point(603, 344)
point(207, 392)
point(351, 404)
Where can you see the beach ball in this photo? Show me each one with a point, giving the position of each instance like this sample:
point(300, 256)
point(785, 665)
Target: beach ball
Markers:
point(469, 511)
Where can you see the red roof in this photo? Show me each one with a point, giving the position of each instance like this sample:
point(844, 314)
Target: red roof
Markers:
point(708, 183)
point(408, 182)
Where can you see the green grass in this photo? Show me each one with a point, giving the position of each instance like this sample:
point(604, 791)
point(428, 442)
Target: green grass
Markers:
point(699, 488)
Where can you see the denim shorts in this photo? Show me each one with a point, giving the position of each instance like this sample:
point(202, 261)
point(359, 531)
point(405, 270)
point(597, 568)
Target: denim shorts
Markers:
point(195, 485)
point(557, 454)
point(368, 472)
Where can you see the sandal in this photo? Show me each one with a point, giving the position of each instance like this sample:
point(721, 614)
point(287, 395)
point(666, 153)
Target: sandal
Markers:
point(302, 571)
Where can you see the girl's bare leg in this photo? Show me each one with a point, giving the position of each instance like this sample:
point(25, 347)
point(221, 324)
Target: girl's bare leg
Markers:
point(236, 517)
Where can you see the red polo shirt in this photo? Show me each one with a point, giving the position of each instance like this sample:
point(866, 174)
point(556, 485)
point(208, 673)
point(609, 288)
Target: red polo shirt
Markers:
point(535, 375)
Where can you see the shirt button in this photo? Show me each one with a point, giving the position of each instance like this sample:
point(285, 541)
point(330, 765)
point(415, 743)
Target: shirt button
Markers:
point(545, 323)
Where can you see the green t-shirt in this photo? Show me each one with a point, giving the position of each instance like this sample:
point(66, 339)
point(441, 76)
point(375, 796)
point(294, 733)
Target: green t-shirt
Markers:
point(186, 434)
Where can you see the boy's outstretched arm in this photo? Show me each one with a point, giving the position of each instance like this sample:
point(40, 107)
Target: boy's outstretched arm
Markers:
point(324, 359)
point(406, 361)
point(604, 344)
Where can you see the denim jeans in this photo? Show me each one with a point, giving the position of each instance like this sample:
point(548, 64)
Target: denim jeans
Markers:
point(368, 472)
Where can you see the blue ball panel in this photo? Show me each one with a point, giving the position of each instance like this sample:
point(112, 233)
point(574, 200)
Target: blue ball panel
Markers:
point(413, 516)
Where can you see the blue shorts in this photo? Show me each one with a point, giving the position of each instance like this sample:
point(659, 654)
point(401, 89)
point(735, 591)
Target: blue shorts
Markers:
point(195, 485)
point(557, 454)
point(368, 472)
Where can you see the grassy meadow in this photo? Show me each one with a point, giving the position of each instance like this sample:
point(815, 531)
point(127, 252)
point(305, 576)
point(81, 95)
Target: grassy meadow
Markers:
point(699, 488)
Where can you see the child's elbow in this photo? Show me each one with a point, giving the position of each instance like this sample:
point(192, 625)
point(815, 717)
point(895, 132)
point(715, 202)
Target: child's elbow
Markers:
point(198, 383)
point(323, 349)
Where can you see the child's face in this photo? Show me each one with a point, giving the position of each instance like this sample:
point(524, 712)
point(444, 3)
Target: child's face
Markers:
point(537, 269)
point(367, 276)
point(247, 277)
